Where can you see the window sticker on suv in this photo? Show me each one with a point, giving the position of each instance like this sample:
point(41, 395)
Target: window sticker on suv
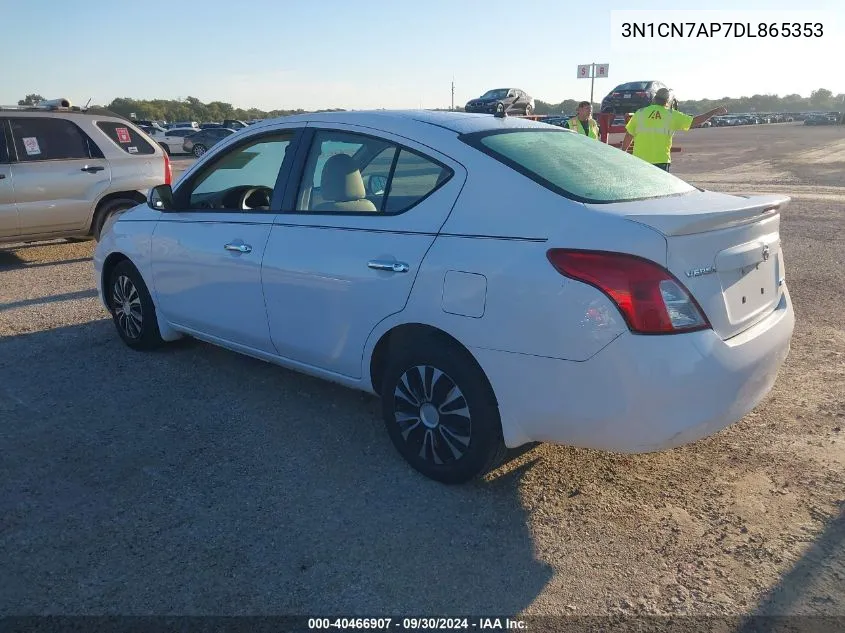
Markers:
point(126, 138)
point(30, 144)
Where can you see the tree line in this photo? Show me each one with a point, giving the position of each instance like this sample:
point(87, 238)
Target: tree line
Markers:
point(192, 109)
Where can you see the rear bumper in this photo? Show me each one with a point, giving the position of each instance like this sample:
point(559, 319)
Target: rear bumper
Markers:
point(624, 105)
point(640, 393)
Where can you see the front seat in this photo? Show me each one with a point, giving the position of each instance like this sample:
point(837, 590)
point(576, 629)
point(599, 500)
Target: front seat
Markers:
point(342, 186)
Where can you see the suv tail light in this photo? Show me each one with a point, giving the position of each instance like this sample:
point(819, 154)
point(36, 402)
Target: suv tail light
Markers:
point(168, 171)
point(650, 298)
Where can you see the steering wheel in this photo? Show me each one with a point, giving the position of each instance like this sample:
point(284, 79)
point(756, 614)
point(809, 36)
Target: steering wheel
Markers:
point(256, 198)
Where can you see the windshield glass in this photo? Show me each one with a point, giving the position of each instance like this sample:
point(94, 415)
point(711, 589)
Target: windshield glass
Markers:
point(578, 167)
point(500, 93)
point(634, 85)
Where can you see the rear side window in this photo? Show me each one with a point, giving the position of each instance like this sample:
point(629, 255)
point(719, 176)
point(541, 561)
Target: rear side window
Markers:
point(42, 138)
point(4, 155)
point(578, 167)
point(373, 175)
point(414, 177)
point(125, 137)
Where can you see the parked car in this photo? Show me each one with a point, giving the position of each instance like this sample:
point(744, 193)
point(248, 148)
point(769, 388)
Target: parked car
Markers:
point(819, 119)
point(199, 143)
point(631, 96)
point(173, 141)
point(344, 245)
point(65, 171)
point(502, 100)
point(231, 124)
point(192, 124)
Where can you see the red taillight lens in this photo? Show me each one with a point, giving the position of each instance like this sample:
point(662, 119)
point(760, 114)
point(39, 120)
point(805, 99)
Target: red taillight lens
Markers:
point(649, 297)
point(168, 171)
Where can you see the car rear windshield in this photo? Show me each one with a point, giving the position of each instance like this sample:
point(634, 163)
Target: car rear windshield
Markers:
point(634, 85)
point(576, 166)
point(125, 137)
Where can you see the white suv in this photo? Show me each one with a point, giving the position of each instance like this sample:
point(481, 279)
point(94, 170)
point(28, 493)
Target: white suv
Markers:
point(64, 171)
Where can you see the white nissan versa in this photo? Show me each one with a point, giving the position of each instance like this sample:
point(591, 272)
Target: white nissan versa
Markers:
point(497, 281)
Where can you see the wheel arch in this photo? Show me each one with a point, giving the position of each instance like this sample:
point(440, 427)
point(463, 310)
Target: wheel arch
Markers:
point(137, 196)
point(397, 335)
point(113, 259)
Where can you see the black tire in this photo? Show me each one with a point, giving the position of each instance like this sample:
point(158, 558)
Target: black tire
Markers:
point(199, 149)
point(529, 110)
point(108, 209)
point(474, 431)
point(127, 288)
point(500, 107)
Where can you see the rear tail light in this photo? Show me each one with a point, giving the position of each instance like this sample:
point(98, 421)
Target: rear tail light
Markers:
point(168, 171)
point(616, 94)
point(641, 94)
point(650, 298)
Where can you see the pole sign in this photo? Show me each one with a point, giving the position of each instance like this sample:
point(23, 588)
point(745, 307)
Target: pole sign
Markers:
point(593, 71)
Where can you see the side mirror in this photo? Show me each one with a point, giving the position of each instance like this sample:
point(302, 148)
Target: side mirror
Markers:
point(376, 185)
point(160, 198)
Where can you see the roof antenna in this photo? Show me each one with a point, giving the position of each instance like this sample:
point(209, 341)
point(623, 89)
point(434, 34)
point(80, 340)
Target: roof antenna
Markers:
point(85, 107)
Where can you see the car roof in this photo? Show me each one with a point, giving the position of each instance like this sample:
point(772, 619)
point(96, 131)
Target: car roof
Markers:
point(399, 121)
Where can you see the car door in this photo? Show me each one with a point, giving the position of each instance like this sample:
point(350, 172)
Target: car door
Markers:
point(174, 140)
point(343, 254)
point(8, 209)
point(58, 173)
point(206, 251)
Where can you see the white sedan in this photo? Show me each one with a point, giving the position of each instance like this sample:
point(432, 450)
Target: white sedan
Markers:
point(497, 281)
point(172, 140)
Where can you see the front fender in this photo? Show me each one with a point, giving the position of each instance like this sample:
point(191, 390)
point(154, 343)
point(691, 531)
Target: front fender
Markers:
point(130, 236)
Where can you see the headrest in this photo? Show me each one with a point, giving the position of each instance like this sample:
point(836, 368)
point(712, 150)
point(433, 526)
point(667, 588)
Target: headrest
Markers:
point(341, 181)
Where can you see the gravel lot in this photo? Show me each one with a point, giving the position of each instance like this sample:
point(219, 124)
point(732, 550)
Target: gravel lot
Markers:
point(198, 481)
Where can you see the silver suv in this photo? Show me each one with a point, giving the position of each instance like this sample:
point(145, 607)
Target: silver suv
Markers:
point(64, 171)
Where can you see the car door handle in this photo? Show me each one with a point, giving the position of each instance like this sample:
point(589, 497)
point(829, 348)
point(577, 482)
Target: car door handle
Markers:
point(394, 267)
point(2, 176)
point(239, 248)
point(93, 169)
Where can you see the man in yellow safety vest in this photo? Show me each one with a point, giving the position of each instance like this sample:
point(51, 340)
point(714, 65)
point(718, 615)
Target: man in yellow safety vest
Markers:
point(652, 127)
point(583, 122)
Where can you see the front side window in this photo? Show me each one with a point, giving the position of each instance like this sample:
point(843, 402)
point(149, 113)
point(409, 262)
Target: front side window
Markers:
point(43, 138)
point(495, 94)
point(242, 179)
point(352, 173)
point(578, 167)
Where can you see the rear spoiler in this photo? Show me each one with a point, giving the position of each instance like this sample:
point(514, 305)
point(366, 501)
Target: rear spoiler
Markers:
point(758, 208)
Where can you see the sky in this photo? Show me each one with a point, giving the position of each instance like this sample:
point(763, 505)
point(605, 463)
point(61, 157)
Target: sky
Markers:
point(286, 54)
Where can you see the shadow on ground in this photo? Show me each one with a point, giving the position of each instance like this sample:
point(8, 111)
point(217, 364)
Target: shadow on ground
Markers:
point(197, 481)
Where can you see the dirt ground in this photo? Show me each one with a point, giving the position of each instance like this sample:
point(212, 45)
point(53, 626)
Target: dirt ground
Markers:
point(199, 481)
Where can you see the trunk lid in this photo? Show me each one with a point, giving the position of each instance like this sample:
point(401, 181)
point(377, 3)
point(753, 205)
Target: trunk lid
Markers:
point(724, 248)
